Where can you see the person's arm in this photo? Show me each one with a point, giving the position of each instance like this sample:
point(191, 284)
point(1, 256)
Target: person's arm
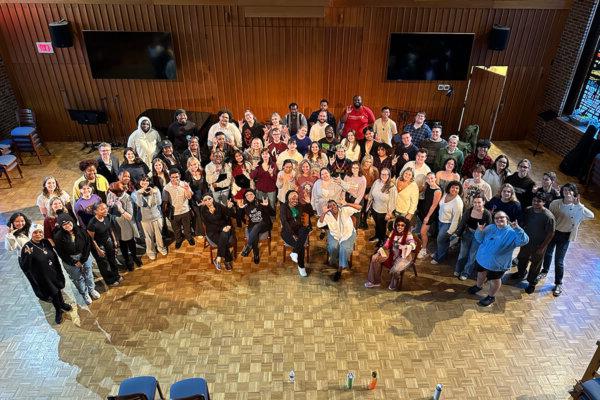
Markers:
point(413, 201)
point(549, 235)
point(463, 222)
point(391, 205)
point(362, 187)
point(370, 115)
point(437, 196)
point(321, 221)
point(521, 238)
point(456, 214)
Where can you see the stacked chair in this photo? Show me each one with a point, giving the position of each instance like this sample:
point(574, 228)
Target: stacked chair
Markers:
point(145, 388)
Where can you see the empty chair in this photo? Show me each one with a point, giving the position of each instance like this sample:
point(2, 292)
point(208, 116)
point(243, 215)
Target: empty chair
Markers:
point(8, 163)
point(25, 137)
point(138, 388)
point(190, 389)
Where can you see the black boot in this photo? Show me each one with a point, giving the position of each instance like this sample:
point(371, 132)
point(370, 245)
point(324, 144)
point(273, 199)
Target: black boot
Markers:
point(246, 250)
point(59, 317)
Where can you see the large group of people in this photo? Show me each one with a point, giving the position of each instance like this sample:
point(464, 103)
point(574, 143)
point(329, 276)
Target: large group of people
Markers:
point(416, 186)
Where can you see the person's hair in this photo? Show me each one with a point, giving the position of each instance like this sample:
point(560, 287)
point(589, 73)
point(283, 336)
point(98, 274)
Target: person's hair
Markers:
point(412, 172)
point(485, 143)
point(406, 230)
point(511, 187)
point(406, 133)
point(446, 162)
point(286, 162)
point(241, 153)
point(437, 126)
point(104, 144)
point(136, 160)
point(83, 184)
point(385, 108)
point(360, 173)
point(321, 171)
point(193, 139)
point(85, 164)
point(454, 137)
point(505, 170)
point(25, 229)
point(423, 151)
point(478, 195)
point(292, 140)
point(388, 185)
point(367, 157)
point(214, 154)
point(219, 134)
point(540, 195)
point(276, 114)
point(525, 160)
point(123, 172)
point(384, 147)
point(192, 160)
point(51, 212)
point(265, 150)
point(164, 165)
point(259, 141)
point(311, 155)
point(305, 161)
point(292, 105)
point(57, 191)
point(570, 186)
point(367, 129)
point(287, 195)
point(324, 101)
point(549, 174)
point(355, 143)
point(221, 112)
point(97, 206)
point(174, 171)
point(479, 168)
point(421, 112)
point(454, 183)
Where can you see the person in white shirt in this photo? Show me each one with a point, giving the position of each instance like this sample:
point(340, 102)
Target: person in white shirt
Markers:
point(317, 131)
point(232, 134)
point(144, 140)
point(419, 167)
point(342, 235)
point(384, 127)
point(451, 209)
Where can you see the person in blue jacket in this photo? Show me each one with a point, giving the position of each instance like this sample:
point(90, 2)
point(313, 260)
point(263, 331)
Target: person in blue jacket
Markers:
point(494, 256)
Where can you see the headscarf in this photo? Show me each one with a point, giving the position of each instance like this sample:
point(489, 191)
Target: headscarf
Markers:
point(35, 227)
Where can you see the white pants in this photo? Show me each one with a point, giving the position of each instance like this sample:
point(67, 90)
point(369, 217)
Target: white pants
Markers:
point(153, 236)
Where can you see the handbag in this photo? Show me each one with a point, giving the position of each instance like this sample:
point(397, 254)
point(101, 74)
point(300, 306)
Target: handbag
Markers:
point(349, 198)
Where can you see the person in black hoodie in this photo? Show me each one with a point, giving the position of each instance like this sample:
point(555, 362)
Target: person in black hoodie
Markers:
point(259, 221)
point(73, 246)
point(181, 131)
point(295, 228)
point(217, 221)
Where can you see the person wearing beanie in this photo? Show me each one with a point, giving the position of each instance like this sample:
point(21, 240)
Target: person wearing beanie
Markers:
point(73, 246)
point(181, 130)
point(40, 263)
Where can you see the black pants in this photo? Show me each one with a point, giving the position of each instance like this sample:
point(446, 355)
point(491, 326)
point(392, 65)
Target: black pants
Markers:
point(297, 243)
point(254, 235)
point(128, 250)
point(380, 225)
point(179, 222)
point(560, 242)
point(107, 264)
point(196, 220)
point(58, 301)
point(527, 254)
point(223, 241)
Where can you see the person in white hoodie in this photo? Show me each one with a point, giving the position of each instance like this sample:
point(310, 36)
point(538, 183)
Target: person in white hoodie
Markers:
point(144, 140)
point(451, 209)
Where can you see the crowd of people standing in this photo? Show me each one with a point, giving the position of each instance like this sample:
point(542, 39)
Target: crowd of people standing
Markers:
point(415, 185)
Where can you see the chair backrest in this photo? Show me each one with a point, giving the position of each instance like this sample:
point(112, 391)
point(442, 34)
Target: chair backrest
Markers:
point(419, 244)
point(192, 397)
point(135, 396)
point(26, 117)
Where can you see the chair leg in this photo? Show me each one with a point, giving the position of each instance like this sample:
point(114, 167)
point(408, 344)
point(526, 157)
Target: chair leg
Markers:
point(401, 280)
point(283, 260)
point(160, 393)
point(415, 269)
point(269, 244)
point(38, 155)
point(308, 254)
point(19, 169)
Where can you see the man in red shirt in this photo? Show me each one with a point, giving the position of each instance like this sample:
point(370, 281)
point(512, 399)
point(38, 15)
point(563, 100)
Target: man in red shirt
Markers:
point(356, 118)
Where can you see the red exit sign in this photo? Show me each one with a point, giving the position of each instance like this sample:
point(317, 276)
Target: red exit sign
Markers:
point(44, 47)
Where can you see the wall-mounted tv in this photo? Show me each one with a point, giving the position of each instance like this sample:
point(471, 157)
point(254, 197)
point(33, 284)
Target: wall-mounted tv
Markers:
point(429, 56)
point(130, 55)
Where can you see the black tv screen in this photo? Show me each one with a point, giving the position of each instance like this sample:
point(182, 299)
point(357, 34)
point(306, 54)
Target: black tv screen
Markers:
point(429, 56)
point(130, 55)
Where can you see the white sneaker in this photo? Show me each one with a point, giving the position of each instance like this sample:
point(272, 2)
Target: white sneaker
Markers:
point(422, 253)
point(456, 274)
point(302, 271)
point(87, 299)
point(94, 294)
point(152, 257)
point(433, 261)
point(294, 257)
point(163, 252)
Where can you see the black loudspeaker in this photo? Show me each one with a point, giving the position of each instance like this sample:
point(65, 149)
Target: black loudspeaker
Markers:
point(61, 34)
point(498, 39)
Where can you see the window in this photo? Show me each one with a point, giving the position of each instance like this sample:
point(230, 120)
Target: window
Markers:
point(588, 105)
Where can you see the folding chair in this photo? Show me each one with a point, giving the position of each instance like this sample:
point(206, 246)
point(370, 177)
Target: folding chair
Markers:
point(190, 389)
point(211, 245)
point(8, 163)
point(25, 137)
point(263, 237)
point(413, 262)
point(138, 388)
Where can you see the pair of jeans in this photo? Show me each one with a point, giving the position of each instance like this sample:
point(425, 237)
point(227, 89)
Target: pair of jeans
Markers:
point(560, 242)
point(179, 222)
point(380, 225)
point(297, 243)
point(107, 264)
point(468, 251)
point(443, 241)
point(339, 252)
point(82, 278)
point(254, 235)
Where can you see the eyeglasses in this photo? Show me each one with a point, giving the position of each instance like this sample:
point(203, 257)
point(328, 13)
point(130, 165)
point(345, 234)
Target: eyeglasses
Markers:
point(523, 167)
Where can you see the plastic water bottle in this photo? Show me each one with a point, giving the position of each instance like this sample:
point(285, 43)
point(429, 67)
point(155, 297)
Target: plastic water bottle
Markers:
point(349, 379)
point(373, 383)
point(292, 376)
point(438, 391)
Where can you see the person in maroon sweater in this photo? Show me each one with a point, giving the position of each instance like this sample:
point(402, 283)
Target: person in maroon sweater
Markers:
point(265, 178)
point(480, 157)
point(276, 146)
point(357, 118)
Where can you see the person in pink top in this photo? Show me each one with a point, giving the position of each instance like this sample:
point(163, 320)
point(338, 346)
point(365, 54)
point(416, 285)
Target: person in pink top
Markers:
point(357, 117)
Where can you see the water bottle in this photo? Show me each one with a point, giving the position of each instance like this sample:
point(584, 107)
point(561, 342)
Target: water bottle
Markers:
point(373, 383)
point(292, 376)
point(438, 391)
point(349, 379)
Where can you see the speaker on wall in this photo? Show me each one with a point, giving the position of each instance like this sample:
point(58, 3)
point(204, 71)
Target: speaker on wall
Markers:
point(61, 34)
point(498, 39)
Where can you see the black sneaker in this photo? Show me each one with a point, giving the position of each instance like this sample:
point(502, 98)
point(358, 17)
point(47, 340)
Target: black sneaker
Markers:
point(257, 259)
point(178, 245)
point(245, 251)
point(516, 276)
point(486, 301)
point(228, 266)
point(130, 267)
point(191, 241)
point(336, 277)
point(557, 290)
point(66, 307)
point(541, 276)
point(58, 318)
point(138, 262)
point(474, 289)
point(530, 289)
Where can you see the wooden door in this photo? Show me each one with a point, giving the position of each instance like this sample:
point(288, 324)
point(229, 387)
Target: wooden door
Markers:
point(482, 101)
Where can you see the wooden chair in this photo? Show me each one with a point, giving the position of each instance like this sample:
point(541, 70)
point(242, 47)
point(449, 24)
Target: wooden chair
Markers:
point(211, 245)
point(25, 137)
point(306, 248)
point(413, 262)
point(263, 237)
point(8, 163)
point(591, 373)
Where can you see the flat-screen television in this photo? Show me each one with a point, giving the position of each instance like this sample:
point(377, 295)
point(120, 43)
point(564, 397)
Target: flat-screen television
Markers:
point(429, 56)
point(130, 55)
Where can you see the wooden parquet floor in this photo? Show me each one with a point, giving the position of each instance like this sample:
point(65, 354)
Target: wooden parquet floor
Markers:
point(245, 330)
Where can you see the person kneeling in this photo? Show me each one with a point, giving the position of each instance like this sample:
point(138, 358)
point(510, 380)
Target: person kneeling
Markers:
point(342, 235)
point(259, 222)
point(394, 254)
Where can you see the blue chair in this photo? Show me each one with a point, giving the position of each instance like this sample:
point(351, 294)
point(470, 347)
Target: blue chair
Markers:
point(8, 163)
point(591, 389)
point(138, 388)
point(25, 137)
point(190, 389)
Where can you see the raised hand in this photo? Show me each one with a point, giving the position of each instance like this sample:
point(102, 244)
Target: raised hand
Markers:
point(265, 201)
point(395, 160)
point(348, 109)
point(405, 156)
point(229, 205)
point(481, 227)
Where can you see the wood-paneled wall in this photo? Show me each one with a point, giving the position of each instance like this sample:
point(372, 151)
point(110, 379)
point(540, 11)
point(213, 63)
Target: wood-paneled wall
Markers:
point(227, 60)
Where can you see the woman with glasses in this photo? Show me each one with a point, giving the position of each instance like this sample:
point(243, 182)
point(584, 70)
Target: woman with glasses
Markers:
point(496, 175)
point(522, 183)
